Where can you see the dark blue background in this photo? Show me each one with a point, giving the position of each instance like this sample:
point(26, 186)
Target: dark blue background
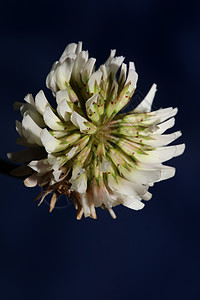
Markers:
point(150, 254)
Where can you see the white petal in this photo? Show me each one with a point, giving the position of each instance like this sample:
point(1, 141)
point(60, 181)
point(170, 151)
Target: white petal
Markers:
point(111, 211)
point(112, 54)
point(87, 70)
point(145, 105)
point(72, 56)
point(59, 134)
point(90, 101)
point(71, 153)
point(56, 162)
point(115, 64)
point(78, 67)
point(147, 196)
point(96, 76)
point(79, 184)
point(51, 120)
point(164, 126)
point(166, 173)
point(85, 204)
point(160, 115)
point(168, 115)
point(132, 77)
point(31, 130)
point(99, 194)
point(112, 200)
point(162, 140)
point(141, 176)
point(122, 76)
point(132, 203)
point(31, 181)
point(50, 80)
point(41, 102)
point(52, 159)
point(50, 143)
point(77, 171)
point(63, 73)
point(125, 187)
point(104, 165)
point(56, 175)
point(160, 154)
point(64, 110)
point(103, 69)
point(40, 166)
point(62, 95)
point(71, 48)
point(34, 114)
point(79, 48)
point(29, 99)
point(78, 121)
point(179, 150)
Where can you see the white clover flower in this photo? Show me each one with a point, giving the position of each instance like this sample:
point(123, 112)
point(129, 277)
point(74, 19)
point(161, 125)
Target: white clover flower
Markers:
point(86, 150)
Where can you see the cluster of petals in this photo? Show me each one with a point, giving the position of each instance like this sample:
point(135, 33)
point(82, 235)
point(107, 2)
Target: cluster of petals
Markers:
point(84, 148)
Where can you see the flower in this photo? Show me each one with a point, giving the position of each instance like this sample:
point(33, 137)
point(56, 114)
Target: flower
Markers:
point(84, 148)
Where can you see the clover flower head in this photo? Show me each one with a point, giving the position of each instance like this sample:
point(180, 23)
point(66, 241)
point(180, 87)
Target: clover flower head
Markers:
point(84, 148)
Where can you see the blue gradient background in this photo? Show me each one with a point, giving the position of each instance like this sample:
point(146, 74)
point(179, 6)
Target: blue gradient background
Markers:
point(150, 254)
